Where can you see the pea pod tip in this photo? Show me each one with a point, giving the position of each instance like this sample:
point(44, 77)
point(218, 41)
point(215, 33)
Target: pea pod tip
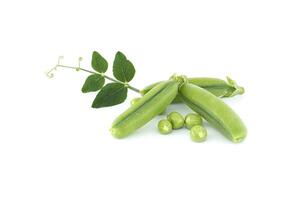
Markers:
point(116, 133)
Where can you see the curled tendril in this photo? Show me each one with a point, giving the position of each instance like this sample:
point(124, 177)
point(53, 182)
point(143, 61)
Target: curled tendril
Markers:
point(50, 73)
point(60, 58)
point(79, 62)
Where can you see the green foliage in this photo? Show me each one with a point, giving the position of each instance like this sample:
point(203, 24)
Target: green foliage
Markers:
point(110, 95)
point(93, 83)
point(98, 63)
point(123, 69)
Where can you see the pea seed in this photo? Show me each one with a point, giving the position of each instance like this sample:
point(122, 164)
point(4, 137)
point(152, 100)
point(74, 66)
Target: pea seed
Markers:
point(164, 126)
point(198, 133)
point(176, 119)
point(193, 119)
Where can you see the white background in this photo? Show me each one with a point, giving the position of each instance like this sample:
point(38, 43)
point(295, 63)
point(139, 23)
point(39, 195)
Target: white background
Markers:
point(54, 146)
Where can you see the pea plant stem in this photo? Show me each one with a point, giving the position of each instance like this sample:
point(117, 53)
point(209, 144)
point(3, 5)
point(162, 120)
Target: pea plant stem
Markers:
point(103, 75)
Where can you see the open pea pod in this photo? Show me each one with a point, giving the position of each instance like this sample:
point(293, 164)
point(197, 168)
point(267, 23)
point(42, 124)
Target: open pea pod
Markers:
point(217, 87)
point(149, 106)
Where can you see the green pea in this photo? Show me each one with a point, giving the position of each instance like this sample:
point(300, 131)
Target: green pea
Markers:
point(198, 133)
point(135, 100)
point(176, 119)
point(193, 119)
point(164, 126)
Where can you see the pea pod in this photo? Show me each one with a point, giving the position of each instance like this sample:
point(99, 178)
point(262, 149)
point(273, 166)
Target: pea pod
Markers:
point(149, 106)
point(214, 110)
point(218, 87)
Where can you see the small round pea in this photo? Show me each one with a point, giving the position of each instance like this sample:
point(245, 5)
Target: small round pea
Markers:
point(164, 126)
point(193, 119)
point(198, 133)
point(176, 119)
point(135, 100)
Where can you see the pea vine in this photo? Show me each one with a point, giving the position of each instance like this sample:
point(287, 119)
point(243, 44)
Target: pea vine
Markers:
point(109, 94)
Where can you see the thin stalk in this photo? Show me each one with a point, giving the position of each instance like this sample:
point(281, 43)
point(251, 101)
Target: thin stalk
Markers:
point(101, 74)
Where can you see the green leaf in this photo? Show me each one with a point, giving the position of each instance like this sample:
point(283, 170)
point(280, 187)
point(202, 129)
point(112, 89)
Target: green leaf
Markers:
point(93, 83)
point(123, 69)
point(110, 95)
point(98, 63)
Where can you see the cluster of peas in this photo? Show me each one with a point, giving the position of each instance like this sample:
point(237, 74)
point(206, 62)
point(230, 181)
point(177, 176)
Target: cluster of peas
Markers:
point(192, 121)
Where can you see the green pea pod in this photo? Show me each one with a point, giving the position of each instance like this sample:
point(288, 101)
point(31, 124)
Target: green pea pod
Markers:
point(149, 106)
point(218, 87)
point(214, 110)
